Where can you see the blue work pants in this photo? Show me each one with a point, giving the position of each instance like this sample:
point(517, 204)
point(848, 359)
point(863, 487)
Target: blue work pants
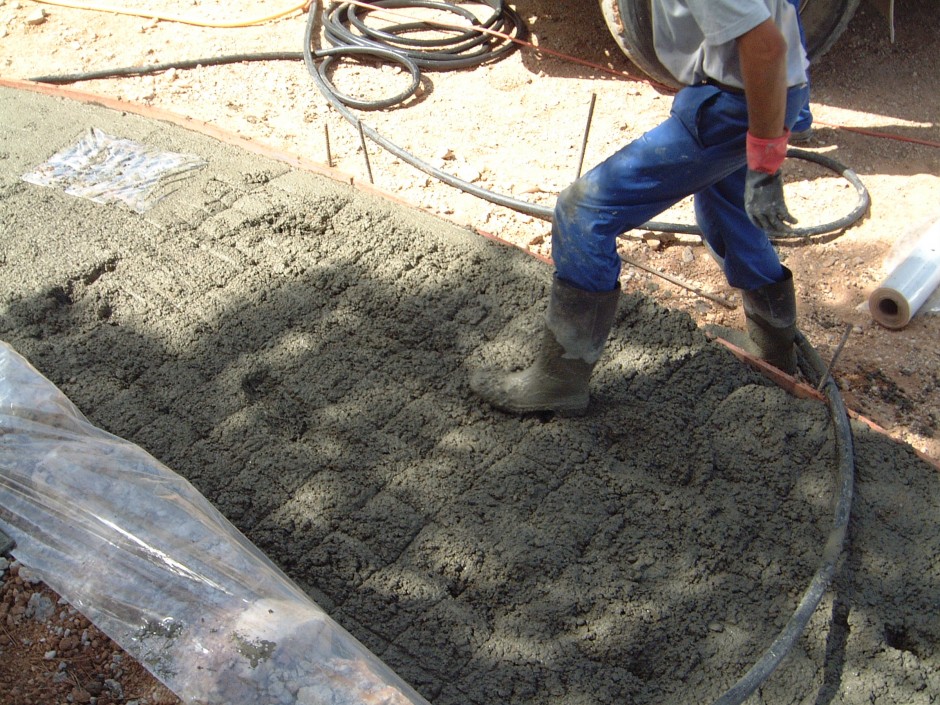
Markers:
point(700, 149)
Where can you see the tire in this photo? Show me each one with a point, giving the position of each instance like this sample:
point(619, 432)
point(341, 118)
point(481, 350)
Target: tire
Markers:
point(631, 24)
point(824, 21)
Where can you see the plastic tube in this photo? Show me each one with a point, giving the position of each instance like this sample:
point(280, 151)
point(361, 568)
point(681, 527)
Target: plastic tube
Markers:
point(910, 284)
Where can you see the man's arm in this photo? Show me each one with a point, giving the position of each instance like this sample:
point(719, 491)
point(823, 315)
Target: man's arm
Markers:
point(762, 53)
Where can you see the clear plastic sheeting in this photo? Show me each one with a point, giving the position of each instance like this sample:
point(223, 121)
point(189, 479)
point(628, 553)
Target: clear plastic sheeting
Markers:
point(156, 567)
point(108, 169)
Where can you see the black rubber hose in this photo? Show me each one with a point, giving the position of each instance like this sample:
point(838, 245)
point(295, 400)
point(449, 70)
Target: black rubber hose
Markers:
point(815, 369)
point(397, 35)
point(857, 213)
point(329, 54)
point(126, 71)
point(477, 44)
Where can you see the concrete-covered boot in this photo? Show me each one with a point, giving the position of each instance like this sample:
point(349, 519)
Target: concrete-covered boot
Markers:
point(770, 312)
point(576, 329)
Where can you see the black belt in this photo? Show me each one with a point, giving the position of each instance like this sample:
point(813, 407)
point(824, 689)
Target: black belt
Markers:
point(724, 86)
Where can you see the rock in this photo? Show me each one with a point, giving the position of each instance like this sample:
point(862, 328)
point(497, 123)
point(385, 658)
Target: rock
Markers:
point(114, 689)
point(68, 643)
point(40, 607)
point(36, 17)
point(28, 576)
point(80, 695)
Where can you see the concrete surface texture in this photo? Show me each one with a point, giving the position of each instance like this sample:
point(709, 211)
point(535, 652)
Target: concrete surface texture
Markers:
point(299, 349)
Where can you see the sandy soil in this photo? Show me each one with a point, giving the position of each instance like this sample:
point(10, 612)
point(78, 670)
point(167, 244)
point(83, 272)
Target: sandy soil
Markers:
point(502, 620)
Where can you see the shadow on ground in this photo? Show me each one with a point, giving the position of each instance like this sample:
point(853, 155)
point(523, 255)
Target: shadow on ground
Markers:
point(299, 350)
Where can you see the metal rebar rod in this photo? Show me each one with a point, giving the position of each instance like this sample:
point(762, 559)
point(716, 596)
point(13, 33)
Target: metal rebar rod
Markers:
point(835, 356)
point(679, 282)
point(329, 153)
point(587, 130)
point(365, 151)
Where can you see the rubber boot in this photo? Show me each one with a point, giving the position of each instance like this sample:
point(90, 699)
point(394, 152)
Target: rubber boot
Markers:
point(576, 329)
point(770, 312)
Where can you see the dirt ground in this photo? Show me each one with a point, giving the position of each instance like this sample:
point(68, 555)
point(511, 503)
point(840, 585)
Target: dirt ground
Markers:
point(516, 126)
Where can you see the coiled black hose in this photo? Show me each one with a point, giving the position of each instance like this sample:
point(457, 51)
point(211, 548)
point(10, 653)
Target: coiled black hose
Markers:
point(481, 41)
point(861, 206)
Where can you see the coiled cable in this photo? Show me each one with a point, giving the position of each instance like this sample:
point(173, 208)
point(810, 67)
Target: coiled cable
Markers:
point(454, 47)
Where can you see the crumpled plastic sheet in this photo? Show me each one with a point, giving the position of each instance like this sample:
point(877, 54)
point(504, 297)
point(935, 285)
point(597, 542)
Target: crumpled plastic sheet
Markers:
point(108, 169)
point(144, 556)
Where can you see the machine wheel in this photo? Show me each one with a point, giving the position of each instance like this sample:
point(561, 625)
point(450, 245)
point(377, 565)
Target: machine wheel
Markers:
point(631, 24)
point(824, 21)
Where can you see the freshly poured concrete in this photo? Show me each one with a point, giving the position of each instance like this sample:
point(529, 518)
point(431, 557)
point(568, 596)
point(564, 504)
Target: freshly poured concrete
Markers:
point(300, 351)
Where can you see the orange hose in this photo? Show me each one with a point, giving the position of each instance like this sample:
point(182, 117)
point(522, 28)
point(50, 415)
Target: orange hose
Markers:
point(174, 18)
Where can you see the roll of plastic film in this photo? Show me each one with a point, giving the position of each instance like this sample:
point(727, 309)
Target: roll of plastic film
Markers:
point(910, 283)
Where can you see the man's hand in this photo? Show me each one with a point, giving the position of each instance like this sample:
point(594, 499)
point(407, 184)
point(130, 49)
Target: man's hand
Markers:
point(763, 187)
point(764, 202)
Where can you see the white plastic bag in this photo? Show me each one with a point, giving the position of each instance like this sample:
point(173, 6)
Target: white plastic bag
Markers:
point(108, 169)
point(157, 568)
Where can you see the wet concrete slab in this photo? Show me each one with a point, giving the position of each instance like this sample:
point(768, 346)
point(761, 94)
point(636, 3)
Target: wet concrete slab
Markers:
point(299, 349)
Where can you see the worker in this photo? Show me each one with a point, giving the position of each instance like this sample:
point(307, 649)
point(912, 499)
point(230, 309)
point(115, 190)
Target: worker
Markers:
point(744, 72)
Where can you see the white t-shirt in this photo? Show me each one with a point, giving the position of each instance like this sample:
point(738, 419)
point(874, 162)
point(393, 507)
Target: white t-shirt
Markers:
point(695, 39)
